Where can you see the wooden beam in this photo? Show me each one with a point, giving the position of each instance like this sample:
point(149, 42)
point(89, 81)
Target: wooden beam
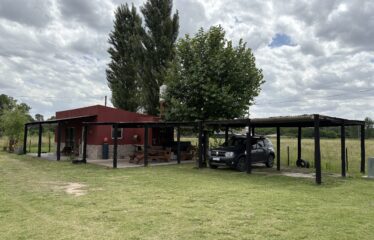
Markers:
point(317, 150)
point(85, 133)
point(178, 144)
point(278, 149)
point(226, 134)
point(58, 148)
point(299, 143)
point(145, 145)
point(200, 143)
point(363, 148)
point(342, 145)
point(115, 145)
point(40, 140)
point(248, 149)
point(25, 139)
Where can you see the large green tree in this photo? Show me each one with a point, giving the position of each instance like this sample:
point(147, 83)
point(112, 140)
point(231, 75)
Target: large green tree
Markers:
point(211, 79)
point(125, 51)
point(161, 32)
point(12, 123)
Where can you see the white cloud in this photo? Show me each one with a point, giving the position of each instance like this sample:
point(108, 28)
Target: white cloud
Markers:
point(53, 53)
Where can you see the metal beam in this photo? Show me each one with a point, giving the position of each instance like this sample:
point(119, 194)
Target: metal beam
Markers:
point(226, 134)
point(343, 156)
point(299, 143)
point(278, 149)
point(363, 148)
point(253, 131)
point(115, 145)
point(85, 133)
point(248, 149)
point(58, 149)
point(145, 145)
point(200, 140)
point(25, 139)
point(178, 144)
point(317, 150)
point(40, 140)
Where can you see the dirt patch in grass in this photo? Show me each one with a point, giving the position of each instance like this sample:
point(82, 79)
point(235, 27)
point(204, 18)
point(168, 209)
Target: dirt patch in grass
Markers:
point(76, 189)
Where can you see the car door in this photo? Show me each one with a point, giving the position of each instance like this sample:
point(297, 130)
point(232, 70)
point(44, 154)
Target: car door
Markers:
point(261, 151)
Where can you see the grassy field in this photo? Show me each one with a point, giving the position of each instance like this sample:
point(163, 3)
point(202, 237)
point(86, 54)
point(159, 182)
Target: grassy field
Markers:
point(37, 201)
point(32, 143)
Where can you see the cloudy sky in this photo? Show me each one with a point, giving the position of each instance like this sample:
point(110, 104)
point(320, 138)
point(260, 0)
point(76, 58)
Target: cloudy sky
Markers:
point(316, 56)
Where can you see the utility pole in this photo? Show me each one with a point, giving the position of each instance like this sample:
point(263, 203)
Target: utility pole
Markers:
point(105, 100)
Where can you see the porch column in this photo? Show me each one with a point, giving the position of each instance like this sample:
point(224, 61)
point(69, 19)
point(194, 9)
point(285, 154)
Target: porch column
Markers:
point(299, 143)
point(248, 149)
point(278, 149)
point(363, 148)
point(25, 139)
point(85, 133)
point(145, 145)
point(40, 140)
point(317, 150)
point(342, 145)
point(115, 145)
point(179, 144)
point(58, 150)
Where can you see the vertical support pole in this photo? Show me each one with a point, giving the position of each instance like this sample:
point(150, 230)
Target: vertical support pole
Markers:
point(205, 147)
point(299, 143)
point(288, 155)
point(145, 145)
point(253, 131)
point(179, 144)
point(342, 145)
point(49, 141)
point(248, 148)
point(200, 143)
point(85, 133)
point(278, 149)
point(226, 134)
point(40, 140)
point(363, 148)
point(25, 139)
point(317, 150)
point(115, 145)
point(58, 149)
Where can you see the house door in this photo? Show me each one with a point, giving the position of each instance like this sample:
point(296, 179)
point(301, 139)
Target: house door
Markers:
point(70, 137)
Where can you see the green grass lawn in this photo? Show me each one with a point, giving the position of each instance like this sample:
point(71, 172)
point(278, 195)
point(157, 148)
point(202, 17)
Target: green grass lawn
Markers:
point(176, 202)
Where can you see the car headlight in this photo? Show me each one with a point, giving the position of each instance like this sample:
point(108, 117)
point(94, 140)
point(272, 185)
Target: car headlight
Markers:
point(229, 154)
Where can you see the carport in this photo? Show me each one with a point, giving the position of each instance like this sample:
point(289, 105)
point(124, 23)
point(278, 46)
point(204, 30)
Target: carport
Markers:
point(304, 121)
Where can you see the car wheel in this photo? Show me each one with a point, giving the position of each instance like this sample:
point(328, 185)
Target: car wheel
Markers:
point(270, 161)
point(241, 165)
point(213, 166)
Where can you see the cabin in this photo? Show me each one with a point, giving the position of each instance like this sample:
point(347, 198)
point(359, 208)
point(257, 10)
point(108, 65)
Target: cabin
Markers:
point(71, 123)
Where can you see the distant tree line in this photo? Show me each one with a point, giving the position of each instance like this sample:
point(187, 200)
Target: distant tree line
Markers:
point(325, 132)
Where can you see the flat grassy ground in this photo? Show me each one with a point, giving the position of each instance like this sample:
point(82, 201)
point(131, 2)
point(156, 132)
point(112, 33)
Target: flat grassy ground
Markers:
point(176, 202)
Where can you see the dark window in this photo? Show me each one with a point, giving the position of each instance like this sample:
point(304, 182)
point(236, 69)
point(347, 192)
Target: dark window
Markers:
point(119, 133)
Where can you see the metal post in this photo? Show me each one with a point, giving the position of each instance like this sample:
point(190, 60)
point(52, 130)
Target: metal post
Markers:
point(278, 149)
point(299, 143)
point(115, 145)
point(288, 155)
point(342, 145)
point(85, 133)
point(40, 140)
point(317, 150)
point(200, 140)
point(179, 144)
point(145, 145)
point(363, 148)
point(248, 148)
point(226, 134)
point(253, 131)
point(25, 139)
point(49, 141)
point(58, 150)
point(205, 146)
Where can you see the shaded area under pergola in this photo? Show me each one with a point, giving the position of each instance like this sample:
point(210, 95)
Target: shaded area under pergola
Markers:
point(315, 121)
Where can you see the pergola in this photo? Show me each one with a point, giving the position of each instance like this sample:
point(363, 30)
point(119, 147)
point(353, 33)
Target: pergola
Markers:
point(304, 121)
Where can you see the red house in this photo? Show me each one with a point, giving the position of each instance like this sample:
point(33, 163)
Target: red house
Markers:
point(72, 134)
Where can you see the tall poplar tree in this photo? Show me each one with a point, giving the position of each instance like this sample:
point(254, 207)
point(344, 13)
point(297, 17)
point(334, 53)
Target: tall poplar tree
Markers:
point(161, 32)
point(125, 52)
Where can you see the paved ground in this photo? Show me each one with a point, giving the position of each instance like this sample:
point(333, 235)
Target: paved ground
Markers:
point(124, 163)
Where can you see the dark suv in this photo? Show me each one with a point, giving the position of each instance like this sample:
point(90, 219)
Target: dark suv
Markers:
point(232, 153)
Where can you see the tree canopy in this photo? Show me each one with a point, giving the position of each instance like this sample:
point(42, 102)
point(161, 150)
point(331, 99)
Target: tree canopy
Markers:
point(126, 49)
point(211, 79)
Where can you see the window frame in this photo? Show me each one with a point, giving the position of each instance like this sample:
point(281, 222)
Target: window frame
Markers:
point(119, 130)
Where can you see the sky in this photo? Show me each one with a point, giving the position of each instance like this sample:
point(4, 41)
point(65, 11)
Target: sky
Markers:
point(316, 56)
